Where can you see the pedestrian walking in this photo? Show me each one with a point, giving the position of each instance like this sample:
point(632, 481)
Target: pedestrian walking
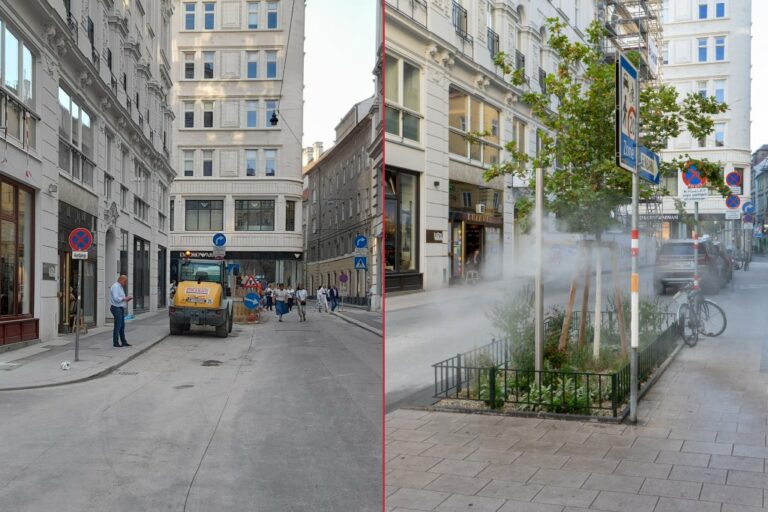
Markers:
point(333, 292)
point(118, 302)
point(291, 295)
point(301, 302)
point(281, 301)
point(268, 294)
point(322, 299)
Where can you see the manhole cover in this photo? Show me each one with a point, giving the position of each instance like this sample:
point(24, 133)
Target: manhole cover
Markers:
point(184, 386)
point(211, 362)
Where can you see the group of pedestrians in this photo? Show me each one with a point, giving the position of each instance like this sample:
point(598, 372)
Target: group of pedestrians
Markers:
point(327, 299)
point(284, 299)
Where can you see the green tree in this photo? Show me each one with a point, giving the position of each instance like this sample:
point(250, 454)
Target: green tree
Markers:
point(583, 185)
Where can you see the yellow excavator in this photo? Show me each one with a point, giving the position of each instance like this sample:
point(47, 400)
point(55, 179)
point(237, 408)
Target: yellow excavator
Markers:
point(201, 297)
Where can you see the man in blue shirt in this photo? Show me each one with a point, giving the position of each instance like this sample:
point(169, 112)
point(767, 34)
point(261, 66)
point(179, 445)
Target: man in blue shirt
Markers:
point(118, 303)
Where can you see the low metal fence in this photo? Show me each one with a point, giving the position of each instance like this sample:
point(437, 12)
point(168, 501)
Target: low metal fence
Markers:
point(487, 374)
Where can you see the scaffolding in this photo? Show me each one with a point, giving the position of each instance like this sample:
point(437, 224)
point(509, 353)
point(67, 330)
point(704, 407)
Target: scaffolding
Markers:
point(636, 25)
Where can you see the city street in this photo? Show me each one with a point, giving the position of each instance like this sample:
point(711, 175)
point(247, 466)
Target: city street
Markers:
point(700, 442)
point(424, 328)
point(280, 416)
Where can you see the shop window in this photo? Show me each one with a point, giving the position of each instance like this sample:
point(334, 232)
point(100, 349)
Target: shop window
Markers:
point(16, 228)
point(401, 203)
point(204, 215)
point(255, 215)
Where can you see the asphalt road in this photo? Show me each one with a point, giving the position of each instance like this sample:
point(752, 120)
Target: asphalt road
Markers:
point(455, 321)
point(280, 417)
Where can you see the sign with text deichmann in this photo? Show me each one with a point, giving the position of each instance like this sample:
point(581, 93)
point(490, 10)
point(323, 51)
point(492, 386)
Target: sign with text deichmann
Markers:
point(627, 114)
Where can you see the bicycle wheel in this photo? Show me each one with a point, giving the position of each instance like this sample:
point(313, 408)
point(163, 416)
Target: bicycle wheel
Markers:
point(712, 320)
point(687, 325)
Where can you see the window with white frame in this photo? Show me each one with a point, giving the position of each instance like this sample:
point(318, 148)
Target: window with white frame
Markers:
point(162, 202)
point(270, 162)
point(290, 215)
point(189, 163)
point(252, 65)
point(208, 58)
point(665, 53)
point(719, 134)
point(18, 76)
point(403, 98)
point(189, 114)
point(720, 9)
point(466, 198)
point(702, 46)
point(123, 197)
point(271, 64)
point(108, 183)
point(207, 162)
point(270, 109)
point(251, 113)
point(203, 215)
point(703, 9)
point(76, 139)
point(209, 9)
point(720, 91)
point(701, 87)
point(720, 48)
point(253, 15)
point(272, 15)
point(469, 115)
point(189, 16)
point(207, 114)
point(251, 161)
point(189, 65)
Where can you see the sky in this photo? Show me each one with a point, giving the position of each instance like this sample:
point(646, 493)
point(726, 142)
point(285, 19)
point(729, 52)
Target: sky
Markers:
point(759, 135)
point(340, 51)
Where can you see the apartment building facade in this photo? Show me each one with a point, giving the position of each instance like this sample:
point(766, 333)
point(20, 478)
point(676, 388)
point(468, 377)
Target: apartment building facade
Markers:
point(238, 73)
point(442, 217)
point(84, 89)
point(707, 50)
point(339, 208)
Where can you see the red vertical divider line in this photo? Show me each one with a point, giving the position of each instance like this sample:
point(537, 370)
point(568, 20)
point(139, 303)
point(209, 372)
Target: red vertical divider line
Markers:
point(382, 278)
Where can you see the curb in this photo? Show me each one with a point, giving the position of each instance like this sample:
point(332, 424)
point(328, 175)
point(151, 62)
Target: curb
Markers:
point(102, 373)
point(352, 321)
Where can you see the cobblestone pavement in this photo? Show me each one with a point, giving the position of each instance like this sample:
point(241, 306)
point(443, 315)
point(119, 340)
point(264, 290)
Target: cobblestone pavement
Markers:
point(700, 444)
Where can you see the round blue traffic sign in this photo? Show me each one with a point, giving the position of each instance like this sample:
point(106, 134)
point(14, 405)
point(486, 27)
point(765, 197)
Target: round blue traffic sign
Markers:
point(732, 202)
point(251, 300)
point(748, 207)
point(361, 242)
point(219, 240)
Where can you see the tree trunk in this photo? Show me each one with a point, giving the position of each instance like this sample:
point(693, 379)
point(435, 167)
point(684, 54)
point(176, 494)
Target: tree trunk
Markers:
point(585, 296)
point(619, 300)
point(598, 299)
point(563, 344)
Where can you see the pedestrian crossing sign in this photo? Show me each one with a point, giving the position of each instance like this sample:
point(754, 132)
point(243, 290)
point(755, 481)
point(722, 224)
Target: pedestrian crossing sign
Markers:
point(361, 263)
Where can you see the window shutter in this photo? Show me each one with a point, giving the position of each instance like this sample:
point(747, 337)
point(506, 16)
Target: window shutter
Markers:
point(230, 64)
point(230, 15)
point(229, 163)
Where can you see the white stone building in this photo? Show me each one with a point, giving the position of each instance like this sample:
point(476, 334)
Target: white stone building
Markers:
point(440, 84)
point(238, 73)
point(84, 89)
point(707, 49)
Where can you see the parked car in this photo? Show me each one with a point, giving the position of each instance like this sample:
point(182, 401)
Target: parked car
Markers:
point(675, 265)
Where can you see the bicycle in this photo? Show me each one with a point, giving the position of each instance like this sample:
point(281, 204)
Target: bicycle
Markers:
point(697, 315)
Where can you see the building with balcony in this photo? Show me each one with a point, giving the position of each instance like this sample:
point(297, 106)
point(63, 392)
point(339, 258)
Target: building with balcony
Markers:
point(238, 73)
point(707, 50)
point(443, 220)
point(339, 207)
point(84, 89)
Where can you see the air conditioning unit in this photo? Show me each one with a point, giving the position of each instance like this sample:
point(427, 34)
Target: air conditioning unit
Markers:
point(480, 208)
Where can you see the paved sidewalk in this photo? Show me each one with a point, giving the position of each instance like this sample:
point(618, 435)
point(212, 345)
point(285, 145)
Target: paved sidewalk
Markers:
point(40, 365)
point(368, 320)
point(700, 444)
